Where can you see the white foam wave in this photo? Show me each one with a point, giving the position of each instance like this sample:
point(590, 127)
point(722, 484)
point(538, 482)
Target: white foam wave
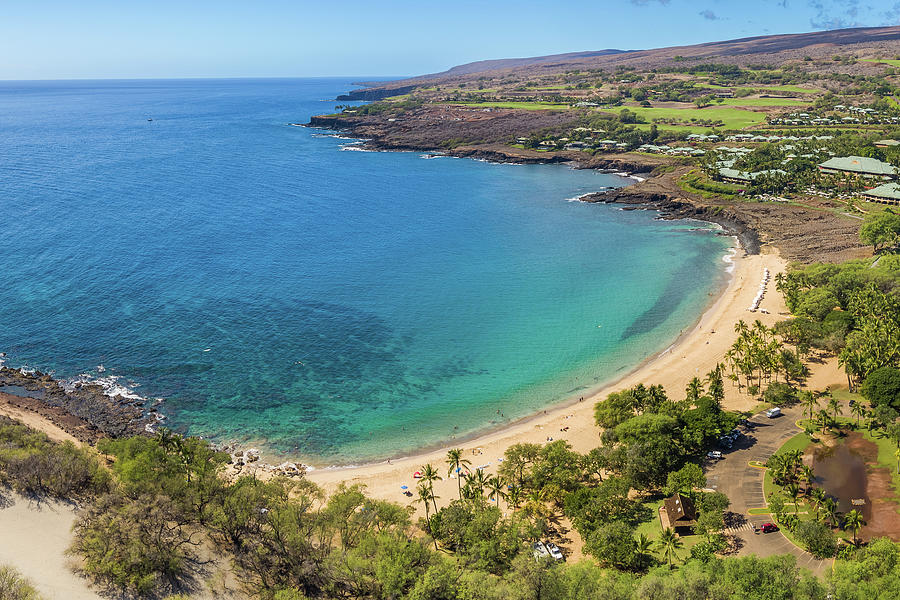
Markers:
point(729, 260)
point(336, 136)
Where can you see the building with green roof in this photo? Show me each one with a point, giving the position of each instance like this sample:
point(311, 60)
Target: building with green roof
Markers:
point(859, 165)
point(888, 193)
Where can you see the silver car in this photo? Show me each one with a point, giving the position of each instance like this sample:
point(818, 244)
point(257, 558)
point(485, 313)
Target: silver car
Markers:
point(555, 552)
point(539, 550)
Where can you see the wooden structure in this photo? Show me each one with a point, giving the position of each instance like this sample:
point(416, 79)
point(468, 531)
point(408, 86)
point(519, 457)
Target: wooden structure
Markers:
point(678, 512)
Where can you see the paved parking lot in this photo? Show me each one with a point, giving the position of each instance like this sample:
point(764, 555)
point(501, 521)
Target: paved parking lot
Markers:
point(733, 476)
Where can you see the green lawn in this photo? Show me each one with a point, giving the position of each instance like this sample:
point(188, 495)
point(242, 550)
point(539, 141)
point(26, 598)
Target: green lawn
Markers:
point(764, 102)
point(733, 118)
point(694, 181)
point(520, 105)
point(787, 88)
point(803, 510)
point(888, 61)
point(762, 90)
point(684, 128)
point(652, 530)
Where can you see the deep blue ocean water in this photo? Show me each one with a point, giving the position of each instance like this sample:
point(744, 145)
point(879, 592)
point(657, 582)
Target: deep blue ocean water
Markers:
point(279, 289)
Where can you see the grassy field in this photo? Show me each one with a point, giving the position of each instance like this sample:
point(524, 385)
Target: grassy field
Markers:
point(733, 118)
point(695, 181)
point(520, 105)
point(888, 61)
point(762, 90)
point(683, 128)
point(764, 102)
point(787, 88)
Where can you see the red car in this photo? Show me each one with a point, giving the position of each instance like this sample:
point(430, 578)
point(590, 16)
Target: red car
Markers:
point(769, 527)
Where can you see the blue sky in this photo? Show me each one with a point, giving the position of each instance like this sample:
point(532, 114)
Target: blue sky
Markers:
point(48, 39)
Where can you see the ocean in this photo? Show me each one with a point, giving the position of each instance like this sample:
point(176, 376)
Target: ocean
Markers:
point(279, 288)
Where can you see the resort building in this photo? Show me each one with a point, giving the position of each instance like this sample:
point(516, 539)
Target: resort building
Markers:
point(888, 193)
point(886, 143)
point(858, 165)
point(734, 176)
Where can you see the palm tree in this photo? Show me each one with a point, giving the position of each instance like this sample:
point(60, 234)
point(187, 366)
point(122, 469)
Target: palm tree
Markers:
point(426, 495)
point(835, 407)
point(807, 476)
point(817, 499)
point(642, 550)
point(823, 415)
point(669, 543)
point(694, 390)
point(514, 496)
point(793, 491)
point(853, 520)
point(831, 511)
point(478, 480)
point(495, 489)
point(457, 462)
point(429, 476)
point(809, 401)
point(535, 505)
point(858, 411)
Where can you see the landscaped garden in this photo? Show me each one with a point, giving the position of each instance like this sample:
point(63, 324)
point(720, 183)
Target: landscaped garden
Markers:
point(836, 483)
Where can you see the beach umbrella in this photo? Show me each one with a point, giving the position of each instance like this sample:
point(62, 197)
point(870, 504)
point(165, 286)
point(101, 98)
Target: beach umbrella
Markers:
point(404, 487)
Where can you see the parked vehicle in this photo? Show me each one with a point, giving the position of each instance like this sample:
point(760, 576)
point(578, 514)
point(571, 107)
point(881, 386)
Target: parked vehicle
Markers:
point(769, 527)
point(773, 412)
point(555, 552)
point(714, 454)
point(539, 550)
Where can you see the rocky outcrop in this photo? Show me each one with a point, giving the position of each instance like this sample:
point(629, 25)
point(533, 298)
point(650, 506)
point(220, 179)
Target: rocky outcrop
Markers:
point(378, 93)
point(104, 415)
point(670, 208)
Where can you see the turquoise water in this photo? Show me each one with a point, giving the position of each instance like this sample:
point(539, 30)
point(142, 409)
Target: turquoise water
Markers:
point(279, 289)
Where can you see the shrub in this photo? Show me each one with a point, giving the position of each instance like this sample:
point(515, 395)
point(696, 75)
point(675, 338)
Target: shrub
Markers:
point(817, 538)
point(34, 464)
point(15, 587)
point(780, 394)
point(134, 545)
point(882, 387)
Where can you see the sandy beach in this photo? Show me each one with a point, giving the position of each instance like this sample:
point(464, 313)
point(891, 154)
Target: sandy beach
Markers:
point(695, 353)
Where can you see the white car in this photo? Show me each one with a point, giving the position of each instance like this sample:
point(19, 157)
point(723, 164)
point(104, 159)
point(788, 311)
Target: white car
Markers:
point(555, 552)
point(773, 412)
point(539, 550)
point(715, 455)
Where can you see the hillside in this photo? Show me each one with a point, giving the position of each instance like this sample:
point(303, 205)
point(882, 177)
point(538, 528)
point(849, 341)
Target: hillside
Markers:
point(735, 128)
point(770, 50)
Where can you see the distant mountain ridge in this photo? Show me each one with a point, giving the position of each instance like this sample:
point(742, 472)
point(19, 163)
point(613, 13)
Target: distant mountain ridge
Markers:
point(765, 48)
point(509, 63)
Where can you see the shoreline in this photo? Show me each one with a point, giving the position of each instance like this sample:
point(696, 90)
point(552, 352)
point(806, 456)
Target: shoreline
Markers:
point(664, 208)
point(732, 254)
point(702, 346)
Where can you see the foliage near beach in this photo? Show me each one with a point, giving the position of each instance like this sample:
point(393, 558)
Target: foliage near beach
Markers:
point(852, 309)
point(14, 587)
point(33, 464)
